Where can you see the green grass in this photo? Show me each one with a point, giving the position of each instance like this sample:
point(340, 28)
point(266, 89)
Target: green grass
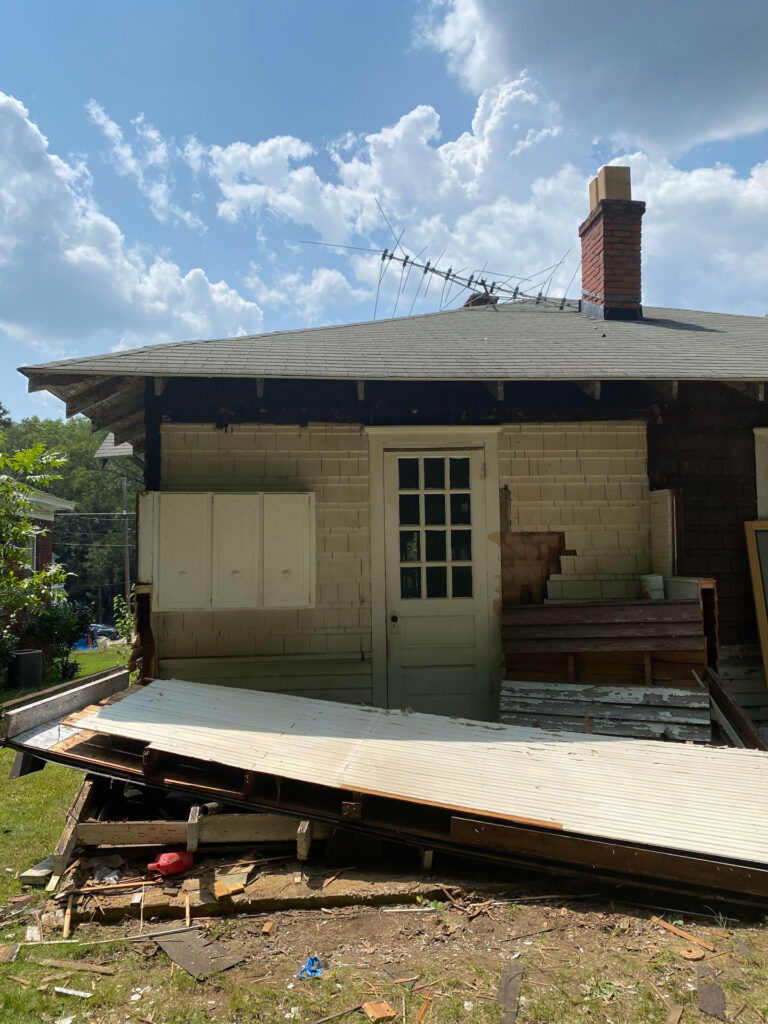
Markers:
point(96, 661)
point(33, 809)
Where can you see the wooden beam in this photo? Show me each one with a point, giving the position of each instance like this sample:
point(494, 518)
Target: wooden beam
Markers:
point(361, 390)
point(25, 764)
point(193, 828)
point(216, 829)
point(303, 839)
point(496, 388)
point(667, 389)
point(26, 716)
point(259, 387)
point(591, 388)
point(754, 389)
point(68, 841)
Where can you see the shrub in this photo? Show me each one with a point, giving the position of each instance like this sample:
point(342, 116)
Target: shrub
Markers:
point(55, 630)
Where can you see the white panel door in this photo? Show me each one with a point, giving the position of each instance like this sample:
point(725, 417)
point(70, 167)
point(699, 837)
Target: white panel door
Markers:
point(236, 551)
point(289, 550)
point(183, 552)
point(436, 586)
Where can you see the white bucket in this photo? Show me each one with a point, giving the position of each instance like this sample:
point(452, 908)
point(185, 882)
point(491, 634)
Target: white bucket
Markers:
point(652, 587)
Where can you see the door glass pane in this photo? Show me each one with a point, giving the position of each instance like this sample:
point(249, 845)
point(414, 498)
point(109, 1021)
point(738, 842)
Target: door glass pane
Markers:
point(434, 474)
point(459, 473)
point(410, 547)
point(435, 544)
point(410, 583)
point(437, 581)
point(409, 510)
point(460, 508)
point(462, 580)
point(408, 474)
point(461, 545)
point(434, 509)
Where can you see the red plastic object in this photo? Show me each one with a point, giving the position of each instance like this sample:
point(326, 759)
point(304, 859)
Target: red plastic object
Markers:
point(171, 863)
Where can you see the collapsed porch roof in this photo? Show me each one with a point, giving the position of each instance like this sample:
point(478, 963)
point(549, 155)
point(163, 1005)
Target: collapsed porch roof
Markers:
point(691, 815)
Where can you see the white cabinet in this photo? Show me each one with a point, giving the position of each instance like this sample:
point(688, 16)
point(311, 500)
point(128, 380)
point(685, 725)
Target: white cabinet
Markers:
point(214, 551)
point(184, 568)
point(236, 566)
point(288, 565)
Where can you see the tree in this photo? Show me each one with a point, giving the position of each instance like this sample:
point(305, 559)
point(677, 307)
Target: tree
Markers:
point(90, 543)
point(23, 589)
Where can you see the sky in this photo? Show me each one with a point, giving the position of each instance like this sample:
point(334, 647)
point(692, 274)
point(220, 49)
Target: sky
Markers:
point(168, 168)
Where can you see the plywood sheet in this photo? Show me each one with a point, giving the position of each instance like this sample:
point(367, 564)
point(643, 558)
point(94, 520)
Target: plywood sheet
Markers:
point(703, 800)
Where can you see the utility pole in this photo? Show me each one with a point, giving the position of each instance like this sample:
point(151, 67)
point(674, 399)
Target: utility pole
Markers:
point(126, 559)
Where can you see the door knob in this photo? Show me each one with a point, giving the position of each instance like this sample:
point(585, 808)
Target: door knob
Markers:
point(393, 618)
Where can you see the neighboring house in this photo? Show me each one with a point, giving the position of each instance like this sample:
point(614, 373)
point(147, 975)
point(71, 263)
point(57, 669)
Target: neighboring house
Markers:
point(350, 512)
point(45, 507)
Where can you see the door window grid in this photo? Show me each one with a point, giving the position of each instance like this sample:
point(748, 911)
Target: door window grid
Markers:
point(435, 518)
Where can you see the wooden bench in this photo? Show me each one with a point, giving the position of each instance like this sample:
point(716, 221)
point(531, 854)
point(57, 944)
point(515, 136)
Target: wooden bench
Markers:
point(617, 641)
point(623, 668)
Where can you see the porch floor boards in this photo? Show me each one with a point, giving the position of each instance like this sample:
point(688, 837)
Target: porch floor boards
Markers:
point(707, 801)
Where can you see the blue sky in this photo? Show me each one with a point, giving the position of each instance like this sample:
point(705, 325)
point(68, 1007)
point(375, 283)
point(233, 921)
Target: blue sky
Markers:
point(161, 163)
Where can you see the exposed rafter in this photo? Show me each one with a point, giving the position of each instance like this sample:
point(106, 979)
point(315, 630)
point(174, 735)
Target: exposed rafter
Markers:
point(591, 388)
point(754, 389)
point(496, 388)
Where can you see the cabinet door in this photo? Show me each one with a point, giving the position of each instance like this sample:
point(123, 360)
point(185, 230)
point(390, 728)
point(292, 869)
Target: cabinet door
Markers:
point(183, 552)
point(289, 550)
point(236, 550)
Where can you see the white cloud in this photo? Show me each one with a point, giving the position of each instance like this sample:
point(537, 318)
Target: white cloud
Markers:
point(661, 75)
point(308, 298)
point(149, 168)
point(66, 273)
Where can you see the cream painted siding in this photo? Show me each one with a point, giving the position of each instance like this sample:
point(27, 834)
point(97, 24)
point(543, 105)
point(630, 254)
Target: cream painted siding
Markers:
point(324, 650)
point(590, 481)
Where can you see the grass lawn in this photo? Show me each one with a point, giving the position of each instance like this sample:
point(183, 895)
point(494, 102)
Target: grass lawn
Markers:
point(32, 809)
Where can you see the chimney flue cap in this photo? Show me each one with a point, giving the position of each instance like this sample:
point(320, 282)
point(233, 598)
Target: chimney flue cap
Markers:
point(610, 183)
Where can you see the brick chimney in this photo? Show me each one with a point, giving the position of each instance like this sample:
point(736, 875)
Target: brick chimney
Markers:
point(610, 249)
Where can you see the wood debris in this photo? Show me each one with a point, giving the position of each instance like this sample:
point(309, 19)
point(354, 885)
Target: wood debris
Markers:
point(379, 1011)
point(73, 966)
point(683, 935)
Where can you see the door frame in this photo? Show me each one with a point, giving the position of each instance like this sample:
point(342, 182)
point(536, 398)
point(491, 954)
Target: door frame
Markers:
point(386, 439)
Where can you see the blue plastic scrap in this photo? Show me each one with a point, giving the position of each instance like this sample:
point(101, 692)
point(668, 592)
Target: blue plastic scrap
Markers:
point(313, 968)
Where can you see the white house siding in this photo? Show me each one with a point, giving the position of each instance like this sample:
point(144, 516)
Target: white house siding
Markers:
point(324, 650)
point(590, 481)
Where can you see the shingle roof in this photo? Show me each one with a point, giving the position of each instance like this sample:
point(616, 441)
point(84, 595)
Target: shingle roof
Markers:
point(513, 342)
point(516, 341)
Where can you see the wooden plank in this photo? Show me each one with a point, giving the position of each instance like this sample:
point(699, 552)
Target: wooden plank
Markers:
point(212, 829)
point(654, 695)
point(193, 828)
point(47, 709)
point(649, 730)
point(510, 704)
point(590, 630)
point(603, 855)
point(738, 720)
point(604, 611)
point(80, 807)
point(577, 645)
point(753, 530)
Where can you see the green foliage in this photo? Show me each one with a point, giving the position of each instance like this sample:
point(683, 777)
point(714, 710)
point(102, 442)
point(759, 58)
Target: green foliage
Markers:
point(23, 589)
point(55, 630)
point(8, 643)
point(90, 547)
point(123, 615)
